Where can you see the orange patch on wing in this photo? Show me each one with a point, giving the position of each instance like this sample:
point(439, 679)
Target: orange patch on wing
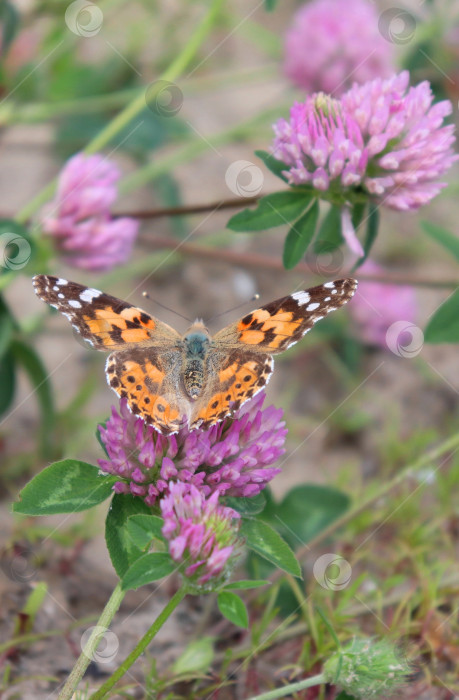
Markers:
point(135, 335)
point(227, 373)
point(133, 314)
point(154, 373)
point(252, 337)
point(256, 317)
point(213, 408)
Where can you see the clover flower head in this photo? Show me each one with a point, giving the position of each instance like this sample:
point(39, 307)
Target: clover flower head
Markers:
point(79, 221)
point(377, 306)
point(233, 458)
point(407, 144)
point(384, 140)
point(367, 668)
point(202, 535)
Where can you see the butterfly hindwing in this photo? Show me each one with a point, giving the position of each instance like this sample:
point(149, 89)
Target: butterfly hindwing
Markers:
point(238, 377)
point(150, 382)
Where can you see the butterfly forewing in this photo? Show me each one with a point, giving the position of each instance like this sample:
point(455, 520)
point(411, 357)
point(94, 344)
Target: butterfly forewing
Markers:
point(276, 326)
point(104, 321)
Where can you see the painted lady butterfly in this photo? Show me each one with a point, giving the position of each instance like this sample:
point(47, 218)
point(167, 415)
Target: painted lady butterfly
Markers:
point(170, 379)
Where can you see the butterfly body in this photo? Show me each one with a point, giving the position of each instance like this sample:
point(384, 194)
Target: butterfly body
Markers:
point(196, 359)
point(194, 379)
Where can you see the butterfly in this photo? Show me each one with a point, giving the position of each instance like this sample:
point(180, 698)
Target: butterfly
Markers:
point(195, 379)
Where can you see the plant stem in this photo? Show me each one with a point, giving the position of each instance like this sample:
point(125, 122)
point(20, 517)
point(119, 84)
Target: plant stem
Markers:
point(291, 688)
point(233, 203)
point(91, 645)
point(258, 260)
point(141, 646)
point(137, 105)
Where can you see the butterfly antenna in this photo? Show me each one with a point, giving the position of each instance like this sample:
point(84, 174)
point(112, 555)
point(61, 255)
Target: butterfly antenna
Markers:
point(238, 306)
point(173, 311)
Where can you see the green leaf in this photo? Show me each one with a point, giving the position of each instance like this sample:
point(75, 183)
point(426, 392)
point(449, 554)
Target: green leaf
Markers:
point(147, 568)
point(371, 233)
point(277, 167)
point(273, 210)
point(142, 529)
point(447, 239)
point(7, 381)
point(197, 657)
point(247, 506)
point(233, 608)
point(270, 5)
point(26, 356)
point(443, 327)
point(300, 236)
point(329, 237)
point(122, 550)
point(307, 510)
point(263, 539)
point(358, 212)
point(245, 585)
point(68, 486)
point(7, 325)
point(9, 20)
point(344, 696)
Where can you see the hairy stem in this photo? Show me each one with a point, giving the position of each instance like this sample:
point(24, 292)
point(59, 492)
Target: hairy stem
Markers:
point(141, 646)
point(91, 645)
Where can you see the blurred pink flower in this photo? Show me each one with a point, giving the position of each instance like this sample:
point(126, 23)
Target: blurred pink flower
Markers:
point(376, 306)
point(334, 43)
point(79, 220)
point(383, 138)
point(202, 534)
point(233, 457)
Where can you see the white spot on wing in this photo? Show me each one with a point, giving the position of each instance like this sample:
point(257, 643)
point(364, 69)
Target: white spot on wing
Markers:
point(312, 307)
point(89, 294)
point(61, 296)
point(61, 282)
point(74, 303)
point(301, 297)
point(329, 285)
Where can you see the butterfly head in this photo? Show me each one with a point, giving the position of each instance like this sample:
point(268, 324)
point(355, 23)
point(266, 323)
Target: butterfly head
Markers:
point(197, 340)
